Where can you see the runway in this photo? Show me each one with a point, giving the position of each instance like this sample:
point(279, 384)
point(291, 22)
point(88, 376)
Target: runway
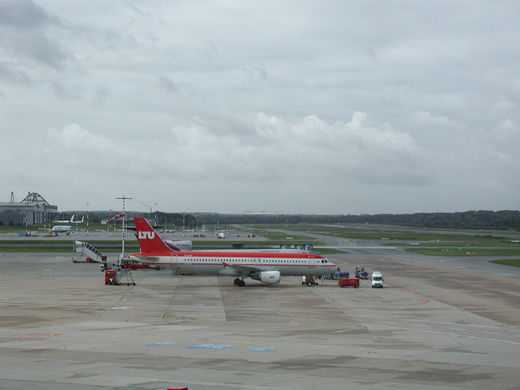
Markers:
point(433, 326)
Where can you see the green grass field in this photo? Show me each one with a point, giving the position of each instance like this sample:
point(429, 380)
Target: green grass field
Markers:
point(65, 247)
point(43, 227)
point(281, 236)
point(31, 245)
point(511, 262)
point(464, 252)
point(328, 251)
point(352, 226)
point(416, 242)
point(466, 242)
point(400, 238)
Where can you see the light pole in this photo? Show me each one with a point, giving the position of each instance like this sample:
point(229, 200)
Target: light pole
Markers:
point(87, 216)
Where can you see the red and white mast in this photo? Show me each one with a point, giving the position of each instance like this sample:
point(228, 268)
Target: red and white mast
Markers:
point(124, 198)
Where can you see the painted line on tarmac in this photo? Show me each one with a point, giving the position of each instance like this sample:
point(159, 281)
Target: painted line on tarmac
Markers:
point(30, 338)
point(36, 336)
point(452, 334)
point(160, 344)
point(210, 346)
point(506, 274)
point(421, 297)
point(262, 349)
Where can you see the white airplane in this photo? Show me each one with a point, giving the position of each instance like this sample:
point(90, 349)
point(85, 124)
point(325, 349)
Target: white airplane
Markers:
point(66, 229)
point(71, 220)
point(64, 220)
point(264, 266)
point(82, 220)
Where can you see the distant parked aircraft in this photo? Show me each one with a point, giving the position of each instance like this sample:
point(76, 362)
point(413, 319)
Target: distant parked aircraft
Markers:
point(58, 229)
point(71, 220)
point(64, 220)
point(82, 220)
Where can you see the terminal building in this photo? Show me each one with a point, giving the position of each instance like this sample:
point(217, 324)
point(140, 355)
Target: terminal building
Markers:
point(31, 210)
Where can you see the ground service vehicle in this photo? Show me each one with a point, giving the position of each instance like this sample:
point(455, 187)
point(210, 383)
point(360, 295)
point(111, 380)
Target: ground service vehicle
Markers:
point(360, 273)
point(348, 282)
point(377, 279)
point(111, 277)
point(337, 275)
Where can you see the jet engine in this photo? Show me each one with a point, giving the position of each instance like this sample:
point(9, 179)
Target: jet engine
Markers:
point(269, 277)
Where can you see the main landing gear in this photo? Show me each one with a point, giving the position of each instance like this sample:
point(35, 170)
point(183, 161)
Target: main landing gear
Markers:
point(239, 282)
point(309, 281)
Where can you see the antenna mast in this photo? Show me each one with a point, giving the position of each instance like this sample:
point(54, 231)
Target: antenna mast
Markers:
point(124, 198)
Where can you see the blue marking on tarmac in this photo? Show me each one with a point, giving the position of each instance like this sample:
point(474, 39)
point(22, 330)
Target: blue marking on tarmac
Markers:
point(505, 274)
point(210, 346)
point(262, 349)
point(160, 344)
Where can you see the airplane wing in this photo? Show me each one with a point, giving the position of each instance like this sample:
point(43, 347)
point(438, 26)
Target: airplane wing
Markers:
point(245, 269)
point(145, 259)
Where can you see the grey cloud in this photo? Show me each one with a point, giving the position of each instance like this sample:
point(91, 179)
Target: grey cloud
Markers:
point(24, 33)
point(308, 146)
point(100, 96)
point(63, 92)
point(167, 84)
point(9, 73)
point(245, 99)
point(22, 14)
point(41, 49)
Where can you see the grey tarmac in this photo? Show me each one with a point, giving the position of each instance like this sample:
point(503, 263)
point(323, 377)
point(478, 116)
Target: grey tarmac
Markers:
point(433, 326)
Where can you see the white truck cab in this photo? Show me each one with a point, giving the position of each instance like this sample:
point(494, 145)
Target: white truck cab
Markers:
point(377, 279)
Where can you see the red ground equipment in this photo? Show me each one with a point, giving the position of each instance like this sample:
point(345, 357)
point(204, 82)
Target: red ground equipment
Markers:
point(111, 277)
point(348, 282)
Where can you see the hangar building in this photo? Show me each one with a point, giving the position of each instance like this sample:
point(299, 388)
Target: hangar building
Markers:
point(33, 208)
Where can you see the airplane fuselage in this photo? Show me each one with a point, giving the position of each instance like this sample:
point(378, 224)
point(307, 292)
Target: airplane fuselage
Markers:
point(61, 229)
point(237, 262)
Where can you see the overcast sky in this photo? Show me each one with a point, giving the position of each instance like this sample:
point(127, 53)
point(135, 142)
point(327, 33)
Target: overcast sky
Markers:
point(277, 106)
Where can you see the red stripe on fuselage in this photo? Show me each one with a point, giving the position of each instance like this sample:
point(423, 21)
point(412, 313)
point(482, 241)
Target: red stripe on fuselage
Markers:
point(247, 264)
point(231, 255)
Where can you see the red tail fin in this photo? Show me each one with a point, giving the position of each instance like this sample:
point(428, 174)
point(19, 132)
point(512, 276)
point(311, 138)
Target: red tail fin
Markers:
point(149, 240)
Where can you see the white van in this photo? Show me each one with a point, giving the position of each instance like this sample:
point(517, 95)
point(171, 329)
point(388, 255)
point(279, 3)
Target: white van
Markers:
point(377, 279)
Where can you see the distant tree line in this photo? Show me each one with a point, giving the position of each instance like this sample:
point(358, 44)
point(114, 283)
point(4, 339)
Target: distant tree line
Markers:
point(188, 220)
point(481, 219)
